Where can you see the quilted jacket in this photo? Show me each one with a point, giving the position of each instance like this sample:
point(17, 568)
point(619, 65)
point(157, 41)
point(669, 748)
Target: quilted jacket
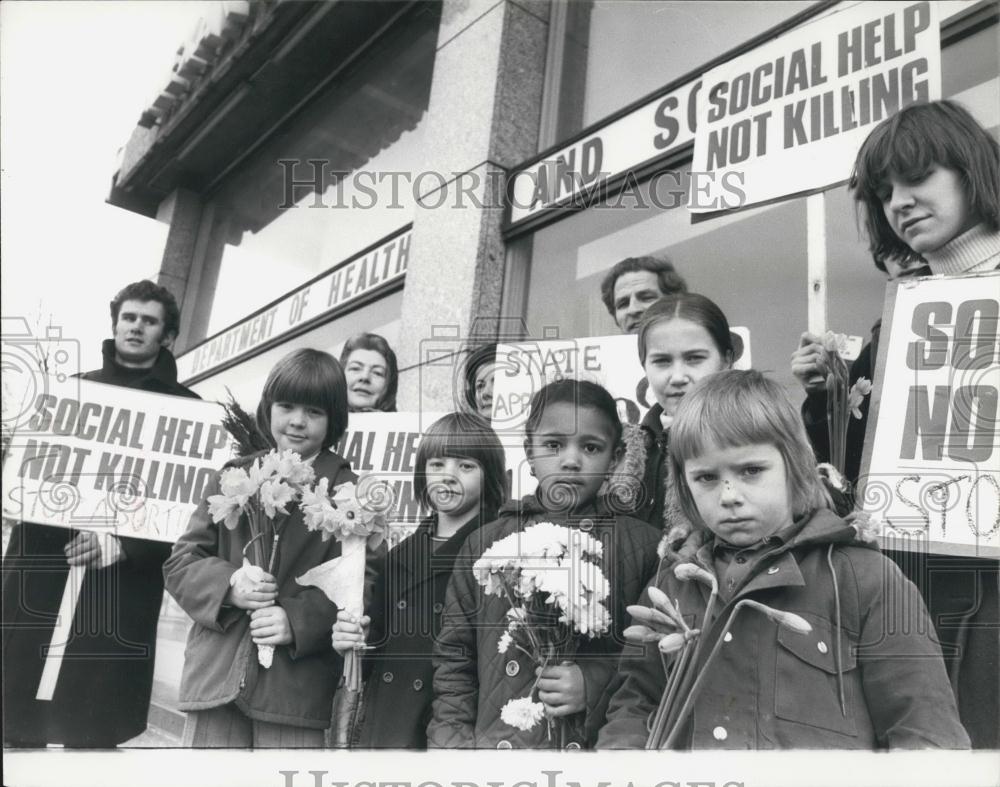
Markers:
point(220, 663)
point(406, 612)
point(473, 680)
point(771, 688)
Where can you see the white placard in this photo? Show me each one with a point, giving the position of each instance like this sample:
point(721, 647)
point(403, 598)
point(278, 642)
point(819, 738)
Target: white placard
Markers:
point(789, 116)
point(384, 446)
point(932, 451)
point(101, 457)
point(611, 361)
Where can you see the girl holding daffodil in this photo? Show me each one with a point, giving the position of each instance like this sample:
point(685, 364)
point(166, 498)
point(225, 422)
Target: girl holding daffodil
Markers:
point(460, 479)
point(259, 670)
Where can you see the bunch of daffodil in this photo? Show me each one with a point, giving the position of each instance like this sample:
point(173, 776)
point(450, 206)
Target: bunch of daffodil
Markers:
point(842, 401)
point(262, 493)
point(356, 515)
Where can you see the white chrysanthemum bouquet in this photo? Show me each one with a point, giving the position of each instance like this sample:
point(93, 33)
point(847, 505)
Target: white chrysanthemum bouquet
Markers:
point(680, 648)
point(262, 492)
point(551, 576)
point(354, 514)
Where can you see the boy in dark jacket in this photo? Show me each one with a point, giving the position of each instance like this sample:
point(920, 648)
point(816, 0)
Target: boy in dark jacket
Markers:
point(233, 699)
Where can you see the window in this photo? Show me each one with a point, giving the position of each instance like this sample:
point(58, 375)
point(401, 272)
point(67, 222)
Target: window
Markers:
point(751, 263)
point(273, 234)
point(605, 54)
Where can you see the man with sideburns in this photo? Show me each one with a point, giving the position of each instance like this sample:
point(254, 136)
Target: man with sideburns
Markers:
point(102, 694)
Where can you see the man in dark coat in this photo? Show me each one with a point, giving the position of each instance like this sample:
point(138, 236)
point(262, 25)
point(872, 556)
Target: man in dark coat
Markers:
point(102, 694)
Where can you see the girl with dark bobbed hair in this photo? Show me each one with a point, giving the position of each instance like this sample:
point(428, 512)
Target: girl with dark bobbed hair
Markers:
point(927, 180)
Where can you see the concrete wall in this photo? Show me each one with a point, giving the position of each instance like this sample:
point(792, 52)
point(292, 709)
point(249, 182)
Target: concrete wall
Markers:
point(483, 118)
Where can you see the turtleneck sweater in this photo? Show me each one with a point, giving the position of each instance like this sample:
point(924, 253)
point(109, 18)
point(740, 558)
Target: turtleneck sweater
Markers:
point(974, 251)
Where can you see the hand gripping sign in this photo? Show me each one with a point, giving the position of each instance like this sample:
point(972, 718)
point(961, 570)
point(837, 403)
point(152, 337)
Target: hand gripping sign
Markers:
point(112, 460)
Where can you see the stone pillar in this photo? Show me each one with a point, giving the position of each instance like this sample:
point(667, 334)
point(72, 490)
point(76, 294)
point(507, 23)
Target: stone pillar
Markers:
point(182, 210)
point(483, 118)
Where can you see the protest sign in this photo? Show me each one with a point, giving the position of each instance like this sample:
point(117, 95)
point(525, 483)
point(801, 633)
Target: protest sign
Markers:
point(131, 463)
point(611, 361)
point(932, 449)
point(576, 173)
point(789, 116)
point(117, 460)
point(109, 459)
point(384, 445)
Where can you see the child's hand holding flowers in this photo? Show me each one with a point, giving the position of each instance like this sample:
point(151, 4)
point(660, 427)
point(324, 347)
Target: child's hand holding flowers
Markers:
point(551, 577)
point(842, 401)
point(251, 587)
point(809, 363)
point(270, 626)
point(356, 516)
point(350, 632)
point(262, 492)
point(561, 689)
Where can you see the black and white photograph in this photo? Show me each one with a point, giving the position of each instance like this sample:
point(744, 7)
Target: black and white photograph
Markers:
point(500, 393)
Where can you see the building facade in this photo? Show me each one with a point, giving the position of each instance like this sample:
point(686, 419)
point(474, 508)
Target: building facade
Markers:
point(327, 168)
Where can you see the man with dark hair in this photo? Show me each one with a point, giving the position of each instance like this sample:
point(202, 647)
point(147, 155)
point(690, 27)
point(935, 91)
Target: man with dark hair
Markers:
point(144, 321)
point(632, 285)
point(102, 694)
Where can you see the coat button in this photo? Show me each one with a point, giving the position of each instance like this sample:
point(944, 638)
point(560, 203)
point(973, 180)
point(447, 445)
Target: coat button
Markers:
point(387, 677)
point(720, 734)
point(821, 647)
point(418, 684)
point(438, 607)
point(504, 745)
point(572, 746)
point(512, 668)
point(728, 637)
point(401, 604)
point(741, 559)
point(586, 525)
